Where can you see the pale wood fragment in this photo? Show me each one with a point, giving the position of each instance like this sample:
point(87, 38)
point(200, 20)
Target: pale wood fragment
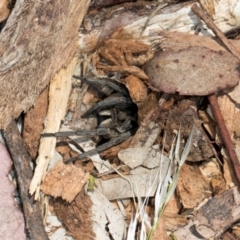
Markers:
point(58, 98)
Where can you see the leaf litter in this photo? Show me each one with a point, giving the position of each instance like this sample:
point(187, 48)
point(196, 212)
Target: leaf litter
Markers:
point(140, 182)
point(152, 150)
point(193, 71)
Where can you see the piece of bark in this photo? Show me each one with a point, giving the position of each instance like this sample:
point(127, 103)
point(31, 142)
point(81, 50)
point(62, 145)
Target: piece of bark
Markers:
point(33, 123)
point(213, 218)
point(38, 39)
point(64, 181)
point(76, 216)
point(129, 20)
point(21, 160)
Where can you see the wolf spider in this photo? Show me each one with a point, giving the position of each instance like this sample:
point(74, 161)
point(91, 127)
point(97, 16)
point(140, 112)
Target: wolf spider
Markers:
point(116, 115)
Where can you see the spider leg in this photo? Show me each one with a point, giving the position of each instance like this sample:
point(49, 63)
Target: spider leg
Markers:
point(104, 84)
point(121, 125)
point(90, 133)
point(122, 137)
point(115, 100)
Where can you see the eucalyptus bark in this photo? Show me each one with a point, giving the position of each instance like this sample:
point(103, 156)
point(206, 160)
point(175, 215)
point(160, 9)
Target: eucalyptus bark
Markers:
point(39, 38)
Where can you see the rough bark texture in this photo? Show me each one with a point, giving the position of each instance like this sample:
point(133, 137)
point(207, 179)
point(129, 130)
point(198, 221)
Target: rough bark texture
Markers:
point(38, 39)
point(20, 157)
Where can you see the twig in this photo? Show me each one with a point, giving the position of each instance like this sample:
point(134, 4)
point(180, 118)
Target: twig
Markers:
point(225, 135)
point(213, 99)
point(20, 157)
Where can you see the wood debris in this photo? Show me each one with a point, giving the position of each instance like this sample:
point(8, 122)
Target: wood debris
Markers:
point(64, 181)
point(147, 47)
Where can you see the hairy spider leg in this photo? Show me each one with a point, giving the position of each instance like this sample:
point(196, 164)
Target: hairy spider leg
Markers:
point(115, 141)
point(96, 82)
point(115, 100)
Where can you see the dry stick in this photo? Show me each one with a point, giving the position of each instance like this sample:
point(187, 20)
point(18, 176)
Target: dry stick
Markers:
point(21, 160)
point(213, 99)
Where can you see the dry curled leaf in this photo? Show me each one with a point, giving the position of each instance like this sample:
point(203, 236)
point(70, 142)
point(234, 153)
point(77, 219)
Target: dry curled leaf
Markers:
point(137, 89)
point(193, 71)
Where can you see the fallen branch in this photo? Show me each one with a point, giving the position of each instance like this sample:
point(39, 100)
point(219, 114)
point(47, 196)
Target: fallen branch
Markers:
point(20, 157)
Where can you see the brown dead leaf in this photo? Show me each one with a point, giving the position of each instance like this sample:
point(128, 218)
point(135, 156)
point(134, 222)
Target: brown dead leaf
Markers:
point(193, 71)
point(218, 184)
point(174, 205)
point(173, 221)
point(177, 41)
point(192, 187)
point(64, 180)
point(160, 231)
point(113, 56)
point(127, 45)
point(137, 89)
point(120, 52)
point(124, 69)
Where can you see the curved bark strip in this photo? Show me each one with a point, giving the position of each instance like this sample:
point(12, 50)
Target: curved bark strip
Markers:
point(39, 38)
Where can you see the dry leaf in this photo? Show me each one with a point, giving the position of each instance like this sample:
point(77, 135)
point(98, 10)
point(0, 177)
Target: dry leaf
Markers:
point(192, 187)
point(137, 89)
point(124, 69)
point(193, 71)
point(64, 180)
point(160, 231)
